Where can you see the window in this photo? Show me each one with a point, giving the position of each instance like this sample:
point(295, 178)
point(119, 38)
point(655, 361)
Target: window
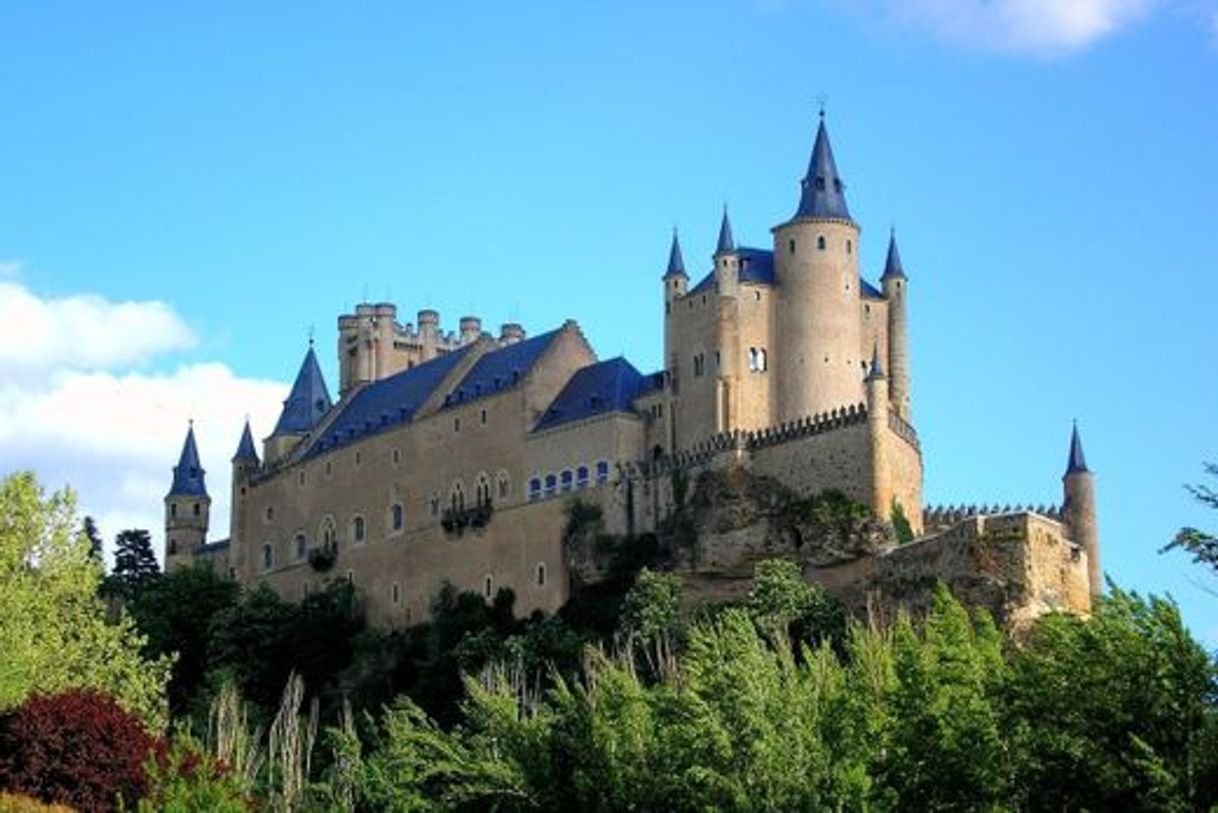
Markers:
point(762, 360)
point(300, 477)
point(270, 513)
point(397, 593)
point(581, 477)
point(503, 486)
point(196, 509)
point(753, 359)
point(568, 480)
point(791, 246)
point(535, 488)
point(456, 424)
point(541, 574)
point(357, 529)
point(359, 458)
point(488, 586)
point(268, 556)
point(396, 517)
point(551, 485)
point(602, 472)
point(329, 467)
point(350, 577)
point(433, 503)
point(820, 242)
point(849, 246)
point(329, 534)
point(173, 546)
point(173, 510)
point(482, 417)
point(397, 456)
point(301, 546)
point(699, 364)
point(482, 489)
point(456, 497)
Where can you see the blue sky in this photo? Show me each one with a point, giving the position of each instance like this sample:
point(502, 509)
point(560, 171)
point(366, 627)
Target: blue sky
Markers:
point(187, 188)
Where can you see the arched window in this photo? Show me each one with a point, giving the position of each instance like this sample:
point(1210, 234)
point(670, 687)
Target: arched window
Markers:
point(433, 503)
point(581, 477)
point(456, 497)
point(301, 546)
point(268, 556)
point(397, 517)
point(535, 488)
point(820, 242)
point(357, 529)
point(503, 486)
point(568, 480)
point(329, 534)
point(602, 472)
point(541, 574)
point(482, 489)
point(551, 485)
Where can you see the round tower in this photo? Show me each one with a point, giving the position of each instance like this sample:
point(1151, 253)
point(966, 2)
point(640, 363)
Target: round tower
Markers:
point(895, 284)
point(245, 463)
point(876, 386)
point(187, 506)
point(471, 329)
point(818, 311)
point(1078, 510)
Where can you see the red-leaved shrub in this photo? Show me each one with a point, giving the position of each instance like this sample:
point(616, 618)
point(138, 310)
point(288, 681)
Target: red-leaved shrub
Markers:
point(78, 748)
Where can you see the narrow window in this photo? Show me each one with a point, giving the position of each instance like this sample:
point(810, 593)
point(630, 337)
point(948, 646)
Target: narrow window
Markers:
point(567, 480)
point(397, 593)
point(433, 503)
point(456, 424)
point(395, 517)
point(268, 557)
point(820, 242)
point(581, 477)
point(359, 457)
point(762, 360)
point(397, 456)
point(541, 574)
point(329, 467)
point(357, 529)
point(487, 586)
point(602, 472)
point(270, 513)
point(196, 509)
point(483, 417)
point(350, 577)
point(753, 359)
point(535, 488)
point(173, 510)
point(849, 246)
point(300, 478)
point(551, 485)
point(504, 485)
point(301, 545)
point(173, 546)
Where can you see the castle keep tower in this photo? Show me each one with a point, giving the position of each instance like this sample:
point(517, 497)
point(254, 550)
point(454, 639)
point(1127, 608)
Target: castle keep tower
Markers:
point(1078, 510)
point(819, 365)
point(186, 507)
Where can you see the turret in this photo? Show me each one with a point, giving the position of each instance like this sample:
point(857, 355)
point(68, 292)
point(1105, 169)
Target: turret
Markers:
point(676, 281)
point(1078, 510)
point(725, 257)
point(187, 506)
point(471, 329)
point(510, 333)
point(245, 463)
point(818, 309)
point(365, 344)
point(303, 409)
point(894, 283)
point(876, 388)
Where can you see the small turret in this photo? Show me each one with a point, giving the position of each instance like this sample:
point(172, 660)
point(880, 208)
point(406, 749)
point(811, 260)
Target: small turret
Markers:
point(675, 278)
point(875, 385)
point(895, 283)
point(726, 244)
point(245, 464)
point(471, 329)
point(510, 333)
point(187, 506)
point(1078, 510)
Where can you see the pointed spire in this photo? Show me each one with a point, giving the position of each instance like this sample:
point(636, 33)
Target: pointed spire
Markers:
point(726, 243)
point(823, 194)
point(308, 401)
point(676, 262)
point(1077, 462)
point(246, 452)
point(877, 369)
point(188, 474)
point(892, 266)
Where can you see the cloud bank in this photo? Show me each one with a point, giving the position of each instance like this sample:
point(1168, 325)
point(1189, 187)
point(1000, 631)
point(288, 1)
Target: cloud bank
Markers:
point(77, 407)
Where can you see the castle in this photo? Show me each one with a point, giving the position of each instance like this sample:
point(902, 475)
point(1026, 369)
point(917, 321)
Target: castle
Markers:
point(451, 456)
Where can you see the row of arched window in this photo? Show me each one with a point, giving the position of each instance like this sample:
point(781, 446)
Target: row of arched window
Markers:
point(327, 535)
point(566, 480)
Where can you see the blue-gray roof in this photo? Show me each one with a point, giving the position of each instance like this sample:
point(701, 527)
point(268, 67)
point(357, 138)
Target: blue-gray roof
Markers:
point(308, 401)
point(1077, 461)
point(386, 403)
point(212, 548)
point(245, 449)
point(500, 369)
point(676, 263)
point(756, 266)
point(892, 265)
point(598, 389)
point(877, 369)
point(822, 195)
point(188, 474)
point(726, 243)
point(870, 290)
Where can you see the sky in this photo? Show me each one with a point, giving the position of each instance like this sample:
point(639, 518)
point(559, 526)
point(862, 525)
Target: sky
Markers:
point(188, 190)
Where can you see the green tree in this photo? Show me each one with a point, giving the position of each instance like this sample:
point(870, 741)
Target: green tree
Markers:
point(89, 528)
point(1202, 545)
point(135, 565)
point(53, 629)
point(652, 605)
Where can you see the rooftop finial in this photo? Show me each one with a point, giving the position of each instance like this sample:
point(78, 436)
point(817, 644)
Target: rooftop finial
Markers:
point(310, 332)
point(821, 99)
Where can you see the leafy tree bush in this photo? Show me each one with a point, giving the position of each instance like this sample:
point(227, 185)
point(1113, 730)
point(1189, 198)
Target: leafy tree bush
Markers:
point(53, 630)
point(1202, 545)
point(11, 803)
point(185, 778)
point(78, 748)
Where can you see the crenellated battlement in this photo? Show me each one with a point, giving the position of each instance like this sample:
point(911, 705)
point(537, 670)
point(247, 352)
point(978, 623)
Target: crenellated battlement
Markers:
point(941, 517)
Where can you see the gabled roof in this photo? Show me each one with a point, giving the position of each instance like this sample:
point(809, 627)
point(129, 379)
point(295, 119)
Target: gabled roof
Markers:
point(756, 266)
point(245, 449)
point(676, 262)
point(386, 403)
point(892, 266)
point(188, 474)
point(822, 193)
point(598, 389)
point(500, 369)
point(1077, 461)
point(308, 401)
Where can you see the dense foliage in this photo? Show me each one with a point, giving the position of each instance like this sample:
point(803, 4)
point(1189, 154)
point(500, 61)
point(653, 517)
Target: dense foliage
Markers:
point(1201, 544)
point(54, 634)
point(78, 748)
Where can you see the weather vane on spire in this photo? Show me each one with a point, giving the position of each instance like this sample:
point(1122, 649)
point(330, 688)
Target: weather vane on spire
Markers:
point(311, 330)
point(821, 100)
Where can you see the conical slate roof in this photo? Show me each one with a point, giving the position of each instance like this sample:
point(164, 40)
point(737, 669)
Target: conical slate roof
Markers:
point(877, 369)
point(676, 262)
point(188, 474)
point(823, 195)
point(246, 452)
point(308, 401)
point(726, 244)
point(892, 266)
point(1077, 461)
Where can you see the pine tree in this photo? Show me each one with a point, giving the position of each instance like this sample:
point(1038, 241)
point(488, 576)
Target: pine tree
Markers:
point(135, 565)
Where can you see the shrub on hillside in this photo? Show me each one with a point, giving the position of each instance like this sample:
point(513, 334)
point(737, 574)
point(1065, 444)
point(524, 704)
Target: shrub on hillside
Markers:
point(10, 803)
point(78, 748)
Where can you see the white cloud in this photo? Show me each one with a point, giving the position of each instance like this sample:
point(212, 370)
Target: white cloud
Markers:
point(114, 434)
point(83, 332)
point(10, 268)
point(1037, 26)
